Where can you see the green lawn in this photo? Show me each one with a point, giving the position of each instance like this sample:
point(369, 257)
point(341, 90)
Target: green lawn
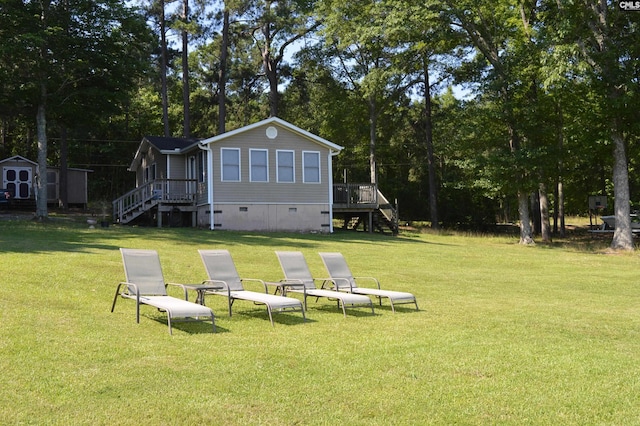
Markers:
point(505, 334)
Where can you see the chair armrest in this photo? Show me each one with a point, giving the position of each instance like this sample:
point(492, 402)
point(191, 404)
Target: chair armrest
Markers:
point(243, 280)
point(223, 286)
point(128, 284)
point(326, 281)
point(184, 287)
point(127, 295)
point(341, 285)
point(289, 283)
point(369, 278)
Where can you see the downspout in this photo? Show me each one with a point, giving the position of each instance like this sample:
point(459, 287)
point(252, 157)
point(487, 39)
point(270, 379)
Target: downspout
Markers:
point(209, 176)
point(330, 164)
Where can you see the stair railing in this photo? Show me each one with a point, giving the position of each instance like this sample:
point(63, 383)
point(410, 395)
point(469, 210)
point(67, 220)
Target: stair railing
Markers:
point(154, 192)
point(132, 200)
point(388, 211)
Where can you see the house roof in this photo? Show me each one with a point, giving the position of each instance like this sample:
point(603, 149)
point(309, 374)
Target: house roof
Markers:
point(19, 158)
point(22, 159)
point(166, 145)
point(277, 122)
point(171, 144)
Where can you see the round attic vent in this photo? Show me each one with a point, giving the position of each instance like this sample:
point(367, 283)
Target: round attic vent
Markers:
point(272, 132)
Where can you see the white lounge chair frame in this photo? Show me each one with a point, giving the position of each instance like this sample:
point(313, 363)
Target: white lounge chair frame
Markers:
point(298, 279)
point(145, 284)
point(345, 281)
point(222, 270)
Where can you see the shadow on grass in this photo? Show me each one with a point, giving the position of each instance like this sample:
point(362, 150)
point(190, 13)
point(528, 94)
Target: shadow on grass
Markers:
point(363, 311)
point(279, 318)
point(56, 236)
point(189, 326)
point(405, 308)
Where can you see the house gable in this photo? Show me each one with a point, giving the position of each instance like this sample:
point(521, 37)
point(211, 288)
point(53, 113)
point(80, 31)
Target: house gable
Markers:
point(160, 157)
point(271, 126)
point(270, 176)
point(271, 162)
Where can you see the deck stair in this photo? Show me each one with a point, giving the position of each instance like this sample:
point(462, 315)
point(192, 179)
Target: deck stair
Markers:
point(154, 196)
point(363, 204)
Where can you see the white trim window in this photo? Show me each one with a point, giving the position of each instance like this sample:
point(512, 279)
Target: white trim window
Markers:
point(285, 166)
point(310, 166)
point(230, 164)
point(150, 173)
point(258, 165)
point(201, 168)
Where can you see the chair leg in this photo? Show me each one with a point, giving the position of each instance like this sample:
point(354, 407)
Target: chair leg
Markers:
point(270, 316)
point(393, 309)
point(169, 323)
point(115, 298)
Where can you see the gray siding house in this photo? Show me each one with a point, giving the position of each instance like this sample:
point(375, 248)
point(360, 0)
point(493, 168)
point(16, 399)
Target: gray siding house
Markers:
point(268, 176)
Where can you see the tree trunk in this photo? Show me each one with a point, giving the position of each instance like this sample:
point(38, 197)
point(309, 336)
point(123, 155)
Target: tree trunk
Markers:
point(622, 236)
point(185, 73)
point(433, 190)
point(558, 211)
point(534, 202)
point(163, 71)
point(270, 67)
point(525, 220)
point(373, 123)
point(526, 233)
point(222, 83)
point(270, 70)
point(64, 175)
point(545, 226)
point(3, 133)
point(41, 180)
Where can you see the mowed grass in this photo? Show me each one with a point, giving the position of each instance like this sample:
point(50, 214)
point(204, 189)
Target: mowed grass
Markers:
point(505, 334)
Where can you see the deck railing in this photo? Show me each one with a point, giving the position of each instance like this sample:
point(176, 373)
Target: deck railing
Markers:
point(155, 192)
point(355, 194)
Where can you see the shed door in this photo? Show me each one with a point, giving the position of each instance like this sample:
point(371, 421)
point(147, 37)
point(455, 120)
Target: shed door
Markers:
point(18, 181)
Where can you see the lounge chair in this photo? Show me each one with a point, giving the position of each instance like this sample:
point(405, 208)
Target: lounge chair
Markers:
point(299, 280)
point(222, 270)
point(145, 284)
point(345, 281)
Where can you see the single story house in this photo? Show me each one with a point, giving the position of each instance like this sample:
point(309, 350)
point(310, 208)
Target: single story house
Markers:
point(267, 176)
point(19, 176)
point(270, 176)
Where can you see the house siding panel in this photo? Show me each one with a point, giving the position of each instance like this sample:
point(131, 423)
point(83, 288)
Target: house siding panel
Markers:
point(270, 192)
point(268, 217)
point(177, 165)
